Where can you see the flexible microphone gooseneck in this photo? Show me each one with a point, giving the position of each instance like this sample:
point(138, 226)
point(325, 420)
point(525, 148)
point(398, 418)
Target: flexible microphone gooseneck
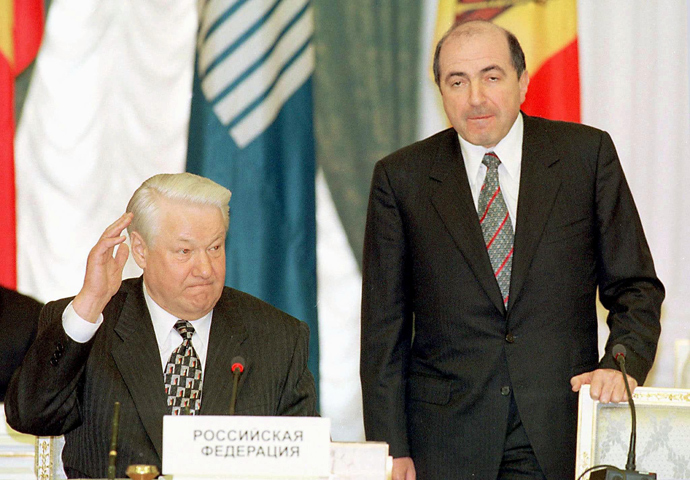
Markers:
point(112, 455)
point(619, 355)
point(609, 472)
point(237, 367)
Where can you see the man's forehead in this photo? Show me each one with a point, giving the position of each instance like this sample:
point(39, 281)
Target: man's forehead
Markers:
point(489, 39)
point(477, 28)
point(479, 51)
point(191, 221)
point(189, 237)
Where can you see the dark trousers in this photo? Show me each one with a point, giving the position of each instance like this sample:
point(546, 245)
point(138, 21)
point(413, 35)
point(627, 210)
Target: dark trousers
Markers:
point(519, 461)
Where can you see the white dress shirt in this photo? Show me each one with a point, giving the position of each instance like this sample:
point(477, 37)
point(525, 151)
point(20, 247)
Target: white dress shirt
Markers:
point(509, 151)
point(167, 337)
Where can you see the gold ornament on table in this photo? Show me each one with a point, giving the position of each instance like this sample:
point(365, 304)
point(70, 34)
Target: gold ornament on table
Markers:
point(142, 472)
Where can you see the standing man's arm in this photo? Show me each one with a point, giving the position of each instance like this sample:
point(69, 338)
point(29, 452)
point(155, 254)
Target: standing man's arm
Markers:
point(386, 324)
point(628, 286)
point(42, 397)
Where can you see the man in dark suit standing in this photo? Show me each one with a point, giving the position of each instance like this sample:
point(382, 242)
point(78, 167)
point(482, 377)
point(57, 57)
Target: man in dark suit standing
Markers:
point(18, 322)
point(484, 249)
point(160, 344)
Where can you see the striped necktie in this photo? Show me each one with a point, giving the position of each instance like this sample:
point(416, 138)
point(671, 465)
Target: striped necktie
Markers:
point(183, 376)
point(496, 225)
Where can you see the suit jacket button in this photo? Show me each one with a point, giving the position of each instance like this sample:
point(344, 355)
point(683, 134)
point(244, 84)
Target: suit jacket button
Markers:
point(505, 391)
point(510, 338)
point(54, 361)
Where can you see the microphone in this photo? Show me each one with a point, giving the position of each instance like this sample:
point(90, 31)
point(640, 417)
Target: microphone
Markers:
point(612, 473)
point(619, 356)
point(112, 455)
point(237, 367)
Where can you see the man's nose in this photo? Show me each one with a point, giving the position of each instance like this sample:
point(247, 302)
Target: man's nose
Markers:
point(476, 93)
point(203, 267)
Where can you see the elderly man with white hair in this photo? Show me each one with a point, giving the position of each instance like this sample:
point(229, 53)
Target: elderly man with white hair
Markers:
point(159, 344)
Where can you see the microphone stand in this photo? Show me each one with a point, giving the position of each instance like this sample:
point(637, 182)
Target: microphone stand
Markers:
point(630, 465)
point(112, 456)
point(235, 380)
point(610, 472)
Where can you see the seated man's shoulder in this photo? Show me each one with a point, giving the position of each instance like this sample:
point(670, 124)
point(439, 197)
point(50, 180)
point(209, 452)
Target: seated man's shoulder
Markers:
point(260, 316)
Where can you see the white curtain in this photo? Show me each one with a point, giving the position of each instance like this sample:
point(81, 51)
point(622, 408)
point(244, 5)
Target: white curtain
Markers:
point(108, 107)
point(634, 75)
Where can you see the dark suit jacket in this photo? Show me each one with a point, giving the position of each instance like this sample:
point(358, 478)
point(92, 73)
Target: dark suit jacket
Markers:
point(440, 353)
point(64, 387)
point(18, 322)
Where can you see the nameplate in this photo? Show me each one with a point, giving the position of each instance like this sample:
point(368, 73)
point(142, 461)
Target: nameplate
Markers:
point(237, 446)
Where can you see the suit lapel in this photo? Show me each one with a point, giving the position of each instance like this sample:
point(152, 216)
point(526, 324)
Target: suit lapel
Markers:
point(539, 184)
point(227, 334)
point(452, 199)
point(138, 360)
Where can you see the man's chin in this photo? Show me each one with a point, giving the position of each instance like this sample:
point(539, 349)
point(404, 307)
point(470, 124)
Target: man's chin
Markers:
point(479, 136)
point(486, 138)
point(203, 301)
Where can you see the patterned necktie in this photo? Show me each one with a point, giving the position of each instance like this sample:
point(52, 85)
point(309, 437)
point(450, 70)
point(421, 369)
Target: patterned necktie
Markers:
point(496, 225)
point(183, 376)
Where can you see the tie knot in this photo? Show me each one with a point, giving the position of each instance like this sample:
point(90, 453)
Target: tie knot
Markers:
point(491, 160)
point(185, 329)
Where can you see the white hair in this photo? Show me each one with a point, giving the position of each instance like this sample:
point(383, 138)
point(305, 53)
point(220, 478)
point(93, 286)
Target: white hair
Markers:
point(184, 187)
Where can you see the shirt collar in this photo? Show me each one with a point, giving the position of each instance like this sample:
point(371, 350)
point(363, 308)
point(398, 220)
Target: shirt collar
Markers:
point(164, 322)
point(508, 150)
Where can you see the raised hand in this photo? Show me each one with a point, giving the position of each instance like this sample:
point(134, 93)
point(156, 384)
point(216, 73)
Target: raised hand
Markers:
point(103, 271)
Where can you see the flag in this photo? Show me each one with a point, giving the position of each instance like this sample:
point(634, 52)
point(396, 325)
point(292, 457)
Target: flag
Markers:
point(21, 29)
point(251, 130)
point(547, 31)
point(108, 107)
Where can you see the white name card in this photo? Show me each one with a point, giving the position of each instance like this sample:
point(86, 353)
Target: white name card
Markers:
point(236, 446)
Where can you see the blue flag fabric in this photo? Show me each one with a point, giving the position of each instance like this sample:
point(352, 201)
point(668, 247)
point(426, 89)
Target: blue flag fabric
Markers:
point(251, 130)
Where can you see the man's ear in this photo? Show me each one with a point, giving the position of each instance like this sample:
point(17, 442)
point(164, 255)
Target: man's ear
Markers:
point(139, 249)
point(523, 82)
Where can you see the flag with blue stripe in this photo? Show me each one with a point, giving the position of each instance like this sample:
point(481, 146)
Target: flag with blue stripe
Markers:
point(251, 130)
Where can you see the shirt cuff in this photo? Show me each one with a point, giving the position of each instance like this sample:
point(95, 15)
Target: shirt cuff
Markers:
point(78, 329)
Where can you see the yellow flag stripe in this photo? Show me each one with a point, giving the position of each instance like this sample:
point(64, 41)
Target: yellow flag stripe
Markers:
point(543, 28)
point(445, 18)
point(7, 29)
